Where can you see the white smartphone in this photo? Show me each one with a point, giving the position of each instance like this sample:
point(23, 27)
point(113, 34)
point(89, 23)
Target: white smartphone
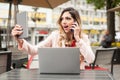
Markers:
point(22, 20)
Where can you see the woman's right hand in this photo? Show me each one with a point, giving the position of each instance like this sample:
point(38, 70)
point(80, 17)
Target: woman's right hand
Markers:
point(16, 31)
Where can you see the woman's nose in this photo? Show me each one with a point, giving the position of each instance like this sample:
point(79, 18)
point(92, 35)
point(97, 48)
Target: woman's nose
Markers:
point(64, 21)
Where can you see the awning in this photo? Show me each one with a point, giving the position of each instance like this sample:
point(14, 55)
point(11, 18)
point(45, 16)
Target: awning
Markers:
point(114, 9)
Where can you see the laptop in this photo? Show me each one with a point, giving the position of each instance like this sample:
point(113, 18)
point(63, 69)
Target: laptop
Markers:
point(59, 60)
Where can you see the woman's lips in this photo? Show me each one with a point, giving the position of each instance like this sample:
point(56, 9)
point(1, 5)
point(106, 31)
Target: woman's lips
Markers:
point(65, 26)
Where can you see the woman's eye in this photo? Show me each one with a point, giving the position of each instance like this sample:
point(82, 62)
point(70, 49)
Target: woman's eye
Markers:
point(68, 18)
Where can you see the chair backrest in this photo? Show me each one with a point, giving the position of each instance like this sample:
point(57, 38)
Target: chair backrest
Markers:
point(5, 61)
point(105, 56)
point(94, 48)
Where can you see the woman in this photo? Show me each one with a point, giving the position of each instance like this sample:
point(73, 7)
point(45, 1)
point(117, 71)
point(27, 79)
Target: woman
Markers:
point(68, 35)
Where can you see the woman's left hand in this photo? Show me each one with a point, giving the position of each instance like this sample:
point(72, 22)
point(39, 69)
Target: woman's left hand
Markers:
point(77, 31)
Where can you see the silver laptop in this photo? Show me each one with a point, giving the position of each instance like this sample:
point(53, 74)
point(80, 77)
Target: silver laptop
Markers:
point(59, 60)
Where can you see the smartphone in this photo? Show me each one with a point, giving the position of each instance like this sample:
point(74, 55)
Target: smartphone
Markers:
point(75, 23)
point(22, 20)
point(71, 30)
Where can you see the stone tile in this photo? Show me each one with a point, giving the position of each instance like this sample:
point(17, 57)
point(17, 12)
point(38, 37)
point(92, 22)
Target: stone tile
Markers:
point(116, 72)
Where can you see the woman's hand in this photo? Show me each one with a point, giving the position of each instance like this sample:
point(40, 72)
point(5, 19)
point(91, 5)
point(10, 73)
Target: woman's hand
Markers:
point(16, 31)
point(77, 31)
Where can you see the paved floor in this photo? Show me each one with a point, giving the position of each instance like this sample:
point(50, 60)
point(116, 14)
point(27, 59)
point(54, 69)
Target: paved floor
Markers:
point(116, 72)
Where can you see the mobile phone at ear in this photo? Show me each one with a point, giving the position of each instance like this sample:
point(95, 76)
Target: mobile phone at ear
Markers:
point(71, 30)
point(75, 23)
point(22, 20)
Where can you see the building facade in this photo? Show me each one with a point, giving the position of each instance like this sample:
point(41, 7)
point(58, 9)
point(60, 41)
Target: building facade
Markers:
point(43, 21)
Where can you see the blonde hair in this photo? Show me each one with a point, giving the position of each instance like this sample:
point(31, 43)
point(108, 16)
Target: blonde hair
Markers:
point(75, 15)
